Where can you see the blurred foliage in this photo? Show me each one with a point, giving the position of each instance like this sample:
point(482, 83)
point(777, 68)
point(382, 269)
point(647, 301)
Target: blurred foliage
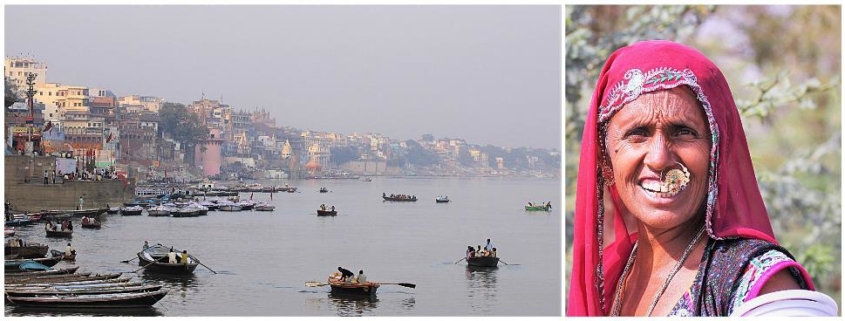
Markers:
point(11, 92)
point(782, 63)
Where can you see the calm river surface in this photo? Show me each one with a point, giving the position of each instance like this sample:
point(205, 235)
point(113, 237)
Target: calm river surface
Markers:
point(263, 259)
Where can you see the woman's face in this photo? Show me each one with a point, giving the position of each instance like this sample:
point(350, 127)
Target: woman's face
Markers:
point(649, 137)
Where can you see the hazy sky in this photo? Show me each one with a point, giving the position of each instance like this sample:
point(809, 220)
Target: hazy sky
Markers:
point(487, 74)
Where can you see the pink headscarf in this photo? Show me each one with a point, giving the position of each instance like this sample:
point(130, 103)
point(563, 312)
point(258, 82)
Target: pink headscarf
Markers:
point(735, 207)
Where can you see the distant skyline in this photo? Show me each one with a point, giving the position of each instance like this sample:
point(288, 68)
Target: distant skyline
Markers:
point(489, 74)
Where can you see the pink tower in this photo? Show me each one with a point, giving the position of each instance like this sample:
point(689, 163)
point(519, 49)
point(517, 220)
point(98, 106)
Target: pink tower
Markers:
point(211, 158)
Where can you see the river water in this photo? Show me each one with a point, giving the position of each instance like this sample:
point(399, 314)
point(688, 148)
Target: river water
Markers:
point(263, 259)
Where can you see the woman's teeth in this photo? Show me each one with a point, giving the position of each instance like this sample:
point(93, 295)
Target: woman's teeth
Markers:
point(676, 181)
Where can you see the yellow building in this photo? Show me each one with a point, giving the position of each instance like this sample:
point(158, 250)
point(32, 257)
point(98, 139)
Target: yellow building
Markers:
point(17, 69)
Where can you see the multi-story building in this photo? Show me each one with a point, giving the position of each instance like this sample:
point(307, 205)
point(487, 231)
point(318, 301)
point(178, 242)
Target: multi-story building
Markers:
point(138, 103)
point(53, 96)
point(83, 131)
point(138, 132)
point(77, 98)
point(17, 69)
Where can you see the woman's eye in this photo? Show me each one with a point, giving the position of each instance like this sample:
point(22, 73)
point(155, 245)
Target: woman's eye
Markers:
point(686, 132)
point(636, 132)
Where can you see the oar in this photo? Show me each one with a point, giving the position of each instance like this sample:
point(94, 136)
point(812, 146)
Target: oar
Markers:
point(129, 260)
point(503, 261)
point(463, 258)
point(200, 263)
point(143, 267)
point(407, 285)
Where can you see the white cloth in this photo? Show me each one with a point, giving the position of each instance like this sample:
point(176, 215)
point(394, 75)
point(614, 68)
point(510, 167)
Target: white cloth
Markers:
point(171, 257)
point(788, 303)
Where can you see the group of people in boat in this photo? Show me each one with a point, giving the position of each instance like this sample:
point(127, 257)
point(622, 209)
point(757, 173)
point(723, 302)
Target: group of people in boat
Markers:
point(66, 225)
point(88, 220)
point(323, 207)
point(172, 255)
point(400, 196)
point(487, 251)
point(544, 204)
point(346, 276)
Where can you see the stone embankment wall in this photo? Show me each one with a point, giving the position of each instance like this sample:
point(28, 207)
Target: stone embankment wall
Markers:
point(25, 190)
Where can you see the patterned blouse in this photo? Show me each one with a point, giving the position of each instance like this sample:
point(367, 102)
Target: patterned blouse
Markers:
point(755, 270)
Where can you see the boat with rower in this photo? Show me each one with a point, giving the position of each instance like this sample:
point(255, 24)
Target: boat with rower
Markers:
point(88, 222)
point(442, 199)
point(65, 256)
point(60, 233)
point(367, 289)
point(544, 207)
point(154, 259)
point(326, 213)
point(483, 261)
point(399, 197)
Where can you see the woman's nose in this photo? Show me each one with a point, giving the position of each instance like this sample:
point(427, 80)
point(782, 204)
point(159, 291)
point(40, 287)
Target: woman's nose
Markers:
point(659, 154)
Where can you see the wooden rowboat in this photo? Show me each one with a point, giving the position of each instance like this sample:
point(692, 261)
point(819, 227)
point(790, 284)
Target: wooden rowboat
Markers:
point(538, 208)
point(80, 291)
point(61, 278)
point(62, 234)
point(115, 300)
point(65, 257)
point(131, 210)
point(483, 261)
point(154, 259)
point(91, 223)
point(326, 213)
point(49, 272)
point(48, 261)
point(367, 289)
point(399, 199)
point(29, 251)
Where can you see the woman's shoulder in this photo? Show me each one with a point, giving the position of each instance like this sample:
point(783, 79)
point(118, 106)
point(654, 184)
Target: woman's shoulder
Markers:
point(738, 248)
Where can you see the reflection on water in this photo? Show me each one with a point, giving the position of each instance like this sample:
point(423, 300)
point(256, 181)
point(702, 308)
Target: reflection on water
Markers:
point(176, 284)
point(409, 303)
point(352, 305)
point(481, 283)
point(128, 312)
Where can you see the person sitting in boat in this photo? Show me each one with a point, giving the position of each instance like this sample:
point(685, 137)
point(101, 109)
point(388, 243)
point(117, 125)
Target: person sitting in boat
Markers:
point(146, 245)
point(69, 251)
point(493, 253)
point(184, 257)
point(332, 208)
point(345, 275)
point(171, 256)
point(322, 207)
point(529, 204)
point(470, 252)
point(69, 226)
point(361, 279)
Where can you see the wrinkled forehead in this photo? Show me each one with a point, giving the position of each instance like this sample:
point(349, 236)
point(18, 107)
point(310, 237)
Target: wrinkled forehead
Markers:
point(675, 105)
